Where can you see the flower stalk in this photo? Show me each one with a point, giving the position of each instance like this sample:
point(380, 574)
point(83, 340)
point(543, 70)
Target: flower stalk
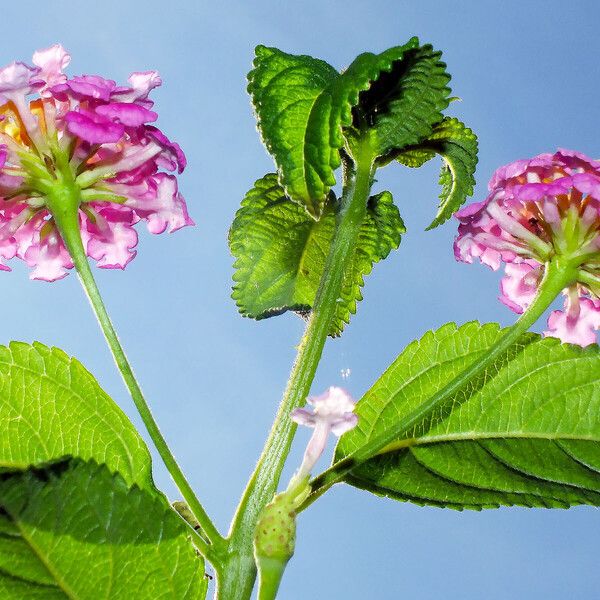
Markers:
point(63, 202)
point(240, 568)
point(559, 273)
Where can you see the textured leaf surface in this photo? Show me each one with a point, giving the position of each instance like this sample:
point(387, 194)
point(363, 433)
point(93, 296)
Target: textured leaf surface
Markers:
point(457, 145)
point(303, 106)
point(403, 105)
point(284, 89)
point(525, 432)
point(52, 407)
point(280, 252)
point(79, 531)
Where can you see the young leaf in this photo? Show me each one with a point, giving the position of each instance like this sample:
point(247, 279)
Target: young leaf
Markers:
point(280, 252)
point(303, 106)
point(284, 89)
point(52, 407)
point(457, 145)
point(525, 432)
point(332, 111)
point(81, 532)
point(403, 105)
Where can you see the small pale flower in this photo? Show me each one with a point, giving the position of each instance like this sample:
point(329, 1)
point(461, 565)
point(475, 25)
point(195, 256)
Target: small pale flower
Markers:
point(333, 412)
point(537, 209)
point(90, 138)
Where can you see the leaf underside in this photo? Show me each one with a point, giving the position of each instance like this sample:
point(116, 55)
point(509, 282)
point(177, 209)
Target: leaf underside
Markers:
point(74, 530)
point(525, 432)
point(281, 251)
point(51, 407)
point(457, 145)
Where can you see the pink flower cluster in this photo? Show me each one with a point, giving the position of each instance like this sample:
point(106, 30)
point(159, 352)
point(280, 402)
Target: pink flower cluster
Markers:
point(88, 133)
point(536, 209)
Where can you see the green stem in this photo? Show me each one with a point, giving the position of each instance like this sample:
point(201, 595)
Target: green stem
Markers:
point(271, 573)
point(240, 569)
point(63, 202)
point(559, 274)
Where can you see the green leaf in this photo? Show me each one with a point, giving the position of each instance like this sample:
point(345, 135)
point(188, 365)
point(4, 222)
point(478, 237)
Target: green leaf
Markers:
point(281, 251)
point(402, 106)
point(303, 107)
point(524, 432)
point(79, 531)
point(332, 112)
point(457, 145)
point(284, 89)
point(52, 407)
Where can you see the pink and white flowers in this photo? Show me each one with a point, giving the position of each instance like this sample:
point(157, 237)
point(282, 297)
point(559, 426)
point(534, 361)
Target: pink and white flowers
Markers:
point(537, 209)
point(333, 412)
point(95, 137)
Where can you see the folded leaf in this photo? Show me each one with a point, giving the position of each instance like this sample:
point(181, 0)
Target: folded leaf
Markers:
point(457, 145)
point(402, 106)
point(79, 531)
point(52, 407)
point(284, 89)
point(280, 252)
point(304, 107)
point(524, 432)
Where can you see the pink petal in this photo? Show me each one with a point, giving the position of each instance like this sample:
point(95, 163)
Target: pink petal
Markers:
point(131, 115)
point(519, 285)
point(49, 257)
point(576, 329)
point(93, 128)
point(335, 402)
point(303, 417)
point(173, 156)
point(84, 87)
point(142, 83)
point(51, 62)
point(345, 423)
point(161, 205)
point(17, 79)
point(110, 238)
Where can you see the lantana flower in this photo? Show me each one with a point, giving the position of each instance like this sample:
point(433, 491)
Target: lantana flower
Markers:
point(333, 412)
point(87, 140)
point(536, 210)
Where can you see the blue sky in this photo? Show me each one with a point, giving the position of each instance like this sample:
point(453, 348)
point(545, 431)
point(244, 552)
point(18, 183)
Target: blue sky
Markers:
point(527, 73)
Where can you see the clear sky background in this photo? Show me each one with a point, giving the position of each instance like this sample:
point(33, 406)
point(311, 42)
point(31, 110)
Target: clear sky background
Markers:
point(528, 75)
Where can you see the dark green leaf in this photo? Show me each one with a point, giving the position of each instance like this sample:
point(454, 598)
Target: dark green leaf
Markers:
point(303, 107)
point(284, 89)
point(51, 407)
point(280, 252)
point(79, 531)
point(402, 106)
point(457, 145)
point(524, 432)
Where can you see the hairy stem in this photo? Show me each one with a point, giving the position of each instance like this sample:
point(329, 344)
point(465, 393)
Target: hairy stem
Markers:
point(240, 572)
point(559, 273)
point(63, 203)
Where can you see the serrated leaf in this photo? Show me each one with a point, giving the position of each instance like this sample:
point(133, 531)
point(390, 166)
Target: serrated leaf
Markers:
point(332, 111)
point(83, 533)
point(284, 89)
point(281, 251)
point(52, 407)
point(303, 106)
point(524, 432)
point(403, 105)
point(457, 145)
